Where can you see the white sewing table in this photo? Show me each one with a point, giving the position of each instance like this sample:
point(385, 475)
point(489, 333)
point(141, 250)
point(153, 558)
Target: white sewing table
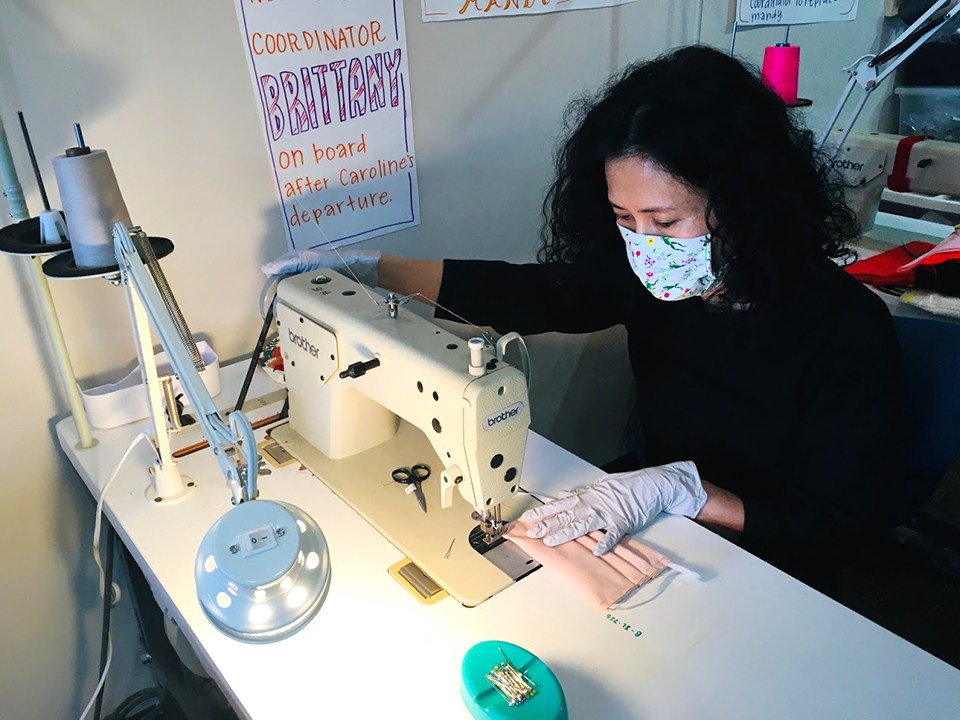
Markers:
point(746, 642)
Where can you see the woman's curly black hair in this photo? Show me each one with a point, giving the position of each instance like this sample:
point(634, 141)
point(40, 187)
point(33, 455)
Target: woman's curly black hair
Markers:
point(774, 204)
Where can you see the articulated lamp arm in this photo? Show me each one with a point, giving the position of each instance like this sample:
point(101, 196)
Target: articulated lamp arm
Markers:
point(871, 70)
point(223, 434)
point(263, 569)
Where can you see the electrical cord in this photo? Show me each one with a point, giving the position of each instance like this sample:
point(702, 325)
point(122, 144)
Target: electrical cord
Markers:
point(114, 597)
point(699, 31)
point(103, 677)
point(105, 621)
point(132, 707)
point(115, 589)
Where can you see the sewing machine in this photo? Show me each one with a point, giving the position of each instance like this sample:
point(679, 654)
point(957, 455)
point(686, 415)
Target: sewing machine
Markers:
point(374, 387)
point(867, 161)
point(872, 162)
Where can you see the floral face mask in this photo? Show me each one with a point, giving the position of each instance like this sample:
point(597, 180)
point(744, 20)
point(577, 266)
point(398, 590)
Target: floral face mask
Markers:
point(670, 268)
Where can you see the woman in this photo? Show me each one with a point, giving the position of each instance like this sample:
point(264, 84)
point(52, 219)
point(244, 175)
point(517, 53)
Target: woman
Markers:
point(689, 207)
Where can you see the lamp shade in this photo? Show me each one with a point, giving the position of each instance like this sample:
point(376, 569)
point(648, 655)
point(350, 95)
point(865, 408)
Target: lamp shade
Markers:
point(262, 571)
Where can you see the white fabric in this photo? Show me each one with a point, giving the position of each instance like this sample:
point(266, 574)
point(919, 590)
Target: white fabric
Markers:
point(670, 268)
point(363, 263)
point(619, 504)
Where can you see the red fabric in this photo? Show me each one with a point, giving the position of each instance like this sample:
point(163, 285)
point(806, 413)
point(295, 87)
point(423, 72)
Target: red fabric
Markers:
point(883, 270)
point(898, 180)
point(948, 249)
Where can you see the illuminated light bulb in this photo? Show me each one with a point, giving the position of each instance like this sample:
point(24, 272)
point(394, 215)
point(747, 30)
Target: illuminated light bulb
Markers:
point(259, 614)
point(296, 597)
point(263, 591)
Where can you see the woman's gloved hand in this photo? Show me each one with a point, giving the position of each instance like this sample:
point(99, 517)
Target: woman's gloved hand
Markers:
point(362, 262)
point(619, 504)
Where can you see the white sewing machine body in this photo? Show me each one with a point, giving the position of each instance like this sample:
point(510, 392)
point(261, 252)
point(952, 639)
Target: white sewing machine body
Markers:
point(866, 161)
point(358, 379)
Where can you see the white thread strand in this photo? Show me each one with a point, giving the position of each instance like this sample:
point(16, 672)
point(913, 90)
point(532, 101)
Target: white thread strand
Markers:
point(326, 241)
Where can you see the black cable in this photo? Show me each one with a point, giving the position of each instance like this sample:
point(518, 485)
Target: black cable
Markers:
point(141, 594)
point(138, 698)
point(907, 42)
point(105, 623)
point(125, 710)
point(252, 368)
point(33, 161)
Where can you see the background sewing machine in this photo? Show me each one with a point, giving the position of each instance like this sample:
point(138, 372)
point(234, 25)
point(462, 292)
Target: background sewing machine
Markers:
point(874, 162)
point(927, 175)
point(373, 388)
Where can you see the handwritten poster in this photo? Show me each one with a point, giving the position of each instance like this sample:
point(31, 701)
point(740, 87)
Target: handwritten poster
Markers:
point(332, 84)
point(435, 10)
point(794, 12)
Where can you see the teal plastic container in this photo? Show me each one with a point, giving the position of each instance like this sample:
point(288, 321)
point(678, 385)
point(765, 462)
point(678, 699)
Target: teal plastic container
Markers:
point(484, 701)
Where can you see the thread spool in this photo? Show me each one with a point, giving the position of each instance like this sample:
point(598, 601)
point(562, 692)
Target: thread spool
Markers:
point(92, 203)
point(781, 70)
point(53, 230)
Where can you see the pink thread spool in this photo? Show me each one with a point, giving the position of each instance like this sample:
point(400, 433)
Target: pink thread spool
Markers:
point(781, 70)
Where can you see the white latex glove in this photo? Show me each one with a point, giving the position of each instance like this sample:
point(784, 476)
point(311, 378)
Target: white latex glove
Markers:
point(362, 262)
point(620, 504)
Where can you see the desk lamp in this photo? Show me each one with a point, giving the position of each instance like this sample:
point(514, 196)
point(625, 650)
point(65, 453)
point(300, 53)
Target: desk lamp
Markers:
point(867, 73)
point(263, 569)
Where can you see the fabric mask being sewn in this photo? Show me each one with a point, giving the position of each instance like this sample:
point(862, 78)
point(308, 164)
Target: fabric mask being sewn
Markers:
point(604, 579)
point(670, 268)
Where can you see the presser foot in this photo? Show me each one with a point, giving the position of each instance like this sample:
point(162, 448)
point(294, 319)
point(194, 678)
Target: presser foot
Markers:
point(504, 555)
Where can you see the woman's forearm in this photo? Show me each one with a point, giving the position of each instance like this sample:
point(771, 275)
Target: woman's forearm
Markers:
point(722, 508)
point(407, 277)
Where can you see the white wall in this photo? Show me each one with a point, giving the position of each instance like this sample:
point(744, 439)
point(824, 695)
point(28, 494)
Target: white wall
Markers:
point(164, 87)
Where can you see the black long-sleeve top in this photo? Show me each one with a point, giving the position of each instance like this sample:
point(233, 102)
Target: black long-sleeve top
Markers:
point(791, 407)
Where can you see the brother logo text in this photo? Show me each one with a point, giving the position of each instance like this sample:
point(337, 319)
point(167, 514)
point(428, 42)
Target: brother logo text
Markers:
point(303, 343)
point(847, 165)
point(502, 416)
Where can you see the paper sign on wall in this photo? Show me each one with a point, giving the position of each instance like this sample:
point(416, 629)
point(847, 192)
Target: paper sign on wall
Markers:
point(794, 12)
point(333, 88)
point(435, 10)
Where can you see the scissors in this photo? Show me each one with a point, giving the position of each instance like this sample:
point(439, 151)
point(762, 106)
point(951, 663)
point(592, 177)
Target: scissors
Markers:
point(414, 476)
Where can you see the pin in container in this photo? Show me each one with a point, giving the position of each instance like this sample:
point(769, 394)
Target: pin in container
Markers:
point(503, 681)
